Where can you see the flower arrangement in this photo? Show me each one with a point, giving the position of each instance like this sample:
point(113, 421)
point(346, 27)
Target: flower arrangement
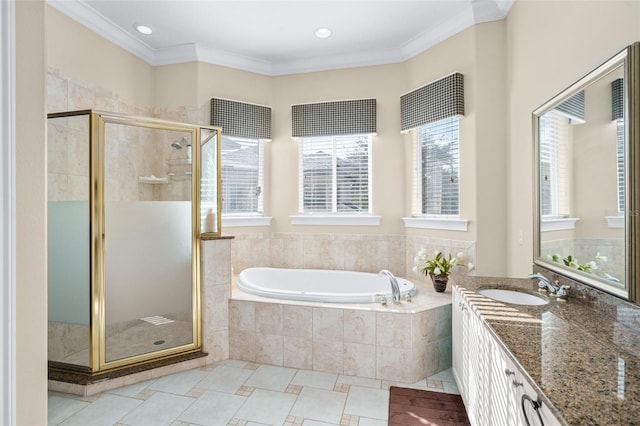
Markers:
point(570, 261)
point(589, 267)
point(439, 264)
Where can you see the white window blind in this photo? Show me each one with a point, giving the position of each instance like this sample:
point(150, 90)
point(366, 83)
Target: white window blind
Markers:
point(242, 175)
point(555, 159)
point(620, 158)
point(438, 166)
point(334, 174)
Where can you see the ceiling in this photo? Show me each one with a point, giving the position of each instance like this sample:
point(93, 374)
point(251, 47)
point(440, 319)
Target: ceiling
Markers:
point(277, 37)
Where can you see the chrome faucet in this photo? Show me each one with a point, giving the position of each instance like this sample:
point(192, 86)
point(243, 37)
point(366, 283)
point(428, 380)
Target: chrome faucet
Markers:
point(555, 289)
point(395, 289)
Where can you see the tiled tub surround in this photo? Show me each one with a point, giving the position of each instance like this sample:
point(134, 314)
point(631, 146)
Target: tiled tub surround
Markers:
point(348, 252)
point(583, 356)
point(398, 343)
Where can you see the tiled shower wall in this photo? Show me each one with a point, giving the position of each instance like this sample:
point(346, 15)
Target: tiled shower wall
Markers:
point(354, 252)
point(130, 152)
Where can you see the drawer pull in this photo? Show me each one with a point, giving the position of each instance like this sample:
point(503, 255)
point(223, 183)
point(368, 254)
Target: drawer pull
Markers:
point(516, 384)
point(509, 372)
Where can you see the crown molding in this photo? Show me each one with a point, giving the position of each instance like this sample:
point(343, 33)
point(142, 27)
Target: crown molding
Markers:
point(478, 12)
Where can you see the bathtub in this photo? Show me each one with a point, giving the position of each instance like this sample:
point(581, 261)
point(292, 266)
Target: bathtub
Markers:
point(319, 285)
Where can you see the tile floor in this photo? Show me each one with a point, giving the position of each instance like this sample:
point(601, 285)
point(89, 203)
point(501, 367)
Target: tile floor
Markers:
point(239, 393)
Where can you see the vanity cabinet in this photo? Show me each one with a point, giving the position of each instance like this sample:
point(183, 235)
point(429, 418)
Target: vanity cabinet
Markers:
point(494, 390)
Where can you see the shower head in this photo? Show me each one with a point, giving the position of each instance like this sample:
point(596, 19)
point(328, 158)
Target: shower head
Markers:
point(179, 143)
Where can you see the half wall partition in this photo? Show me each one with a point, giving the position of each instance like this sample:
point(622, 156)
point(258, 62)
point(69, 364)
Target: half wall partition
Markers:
point(125, 216)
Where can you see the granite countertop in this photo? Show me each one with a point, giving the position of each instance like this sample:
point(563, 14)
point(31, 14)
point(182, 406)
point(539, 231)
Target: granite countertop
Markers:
point(582, 355)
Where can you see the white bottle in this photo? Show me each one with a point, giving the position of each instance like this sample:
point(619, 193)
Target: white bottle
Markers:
point(210, 222)
point(189, 153)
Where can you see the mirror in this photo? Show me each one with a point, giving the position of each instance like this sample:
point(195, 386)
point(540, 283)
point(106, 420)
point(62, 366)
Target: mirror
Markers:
point(586, 143)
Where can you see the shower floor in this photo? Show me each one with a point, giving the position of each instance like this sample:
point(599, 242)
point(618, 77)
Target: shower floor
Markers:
point(123, 340)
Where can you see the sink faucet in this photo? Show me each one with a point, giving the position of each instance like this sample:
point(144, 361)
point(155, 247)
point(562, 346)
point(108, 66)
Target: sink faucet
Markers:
point(555, 289)
point(395, 289)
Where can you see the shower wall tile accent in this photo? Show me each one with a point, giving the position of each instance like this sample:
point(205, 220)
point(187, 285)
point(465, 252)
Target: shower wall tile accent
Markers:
point(400, 347)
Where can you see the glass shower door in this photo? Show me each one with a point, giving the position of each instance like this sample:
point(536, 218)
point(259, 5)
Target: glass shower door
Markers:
point(148, 240)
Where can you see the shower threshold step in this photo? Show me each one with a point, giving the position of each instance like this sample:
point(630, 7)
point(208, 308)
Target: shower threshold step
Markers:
point(85, 383)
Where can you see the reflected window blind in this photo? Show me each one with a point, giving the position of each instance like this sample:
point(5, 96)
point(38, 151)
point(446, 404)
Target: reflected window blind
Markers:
point(435, 101)
point(573, 108)
point(620, 160)
point(617, 99)
point(555, 158)
point(617, 114)
point(438, 165)
point(334, 174)
point(242, 175)
point(354, 117)
point(241, 119)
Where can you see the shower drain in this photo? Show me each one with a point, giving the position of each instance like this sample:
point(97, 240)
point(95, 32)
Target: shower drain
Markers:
point(158, 342)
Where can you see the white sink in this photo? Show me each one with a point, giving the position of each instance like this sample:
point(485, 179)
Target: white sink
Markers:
point(513, 296)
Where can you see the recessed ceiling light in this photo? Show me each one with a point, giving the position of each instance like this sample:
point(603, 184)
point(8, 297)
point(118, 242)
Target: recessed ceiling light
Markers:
point(323, 33)
point(143, 29)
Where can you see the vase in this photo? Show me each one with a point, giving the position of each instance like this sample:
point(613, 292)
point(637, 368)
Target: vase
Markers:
point(439, 282)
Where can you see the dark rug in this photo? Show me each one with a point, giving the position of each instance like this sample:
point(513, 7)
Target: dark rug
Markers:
point(414, 407)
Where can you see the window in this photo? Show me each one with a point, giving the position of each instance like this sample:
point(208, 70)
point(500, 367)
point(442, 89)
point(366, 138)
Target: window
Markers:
point(555, 155)
point(438, 167)
point(242, 175)
point(334, 174)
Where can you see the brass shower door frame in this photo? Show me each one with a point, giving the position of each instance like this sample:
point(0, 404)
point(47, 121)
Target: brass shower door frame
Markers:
point(97, 122)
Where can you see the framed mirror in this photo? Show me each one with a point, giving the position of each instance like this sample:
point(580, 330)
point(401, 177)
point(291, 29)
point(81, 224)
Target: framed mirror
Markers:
point(586, 185)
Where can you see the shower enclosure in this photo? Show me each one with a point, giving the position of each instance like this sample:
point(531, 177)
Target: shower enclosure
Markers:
point(128, 200)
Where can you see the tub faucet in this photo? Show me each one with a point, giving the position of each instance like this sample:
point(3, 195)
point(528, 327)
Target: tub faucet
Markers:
point(395, 289)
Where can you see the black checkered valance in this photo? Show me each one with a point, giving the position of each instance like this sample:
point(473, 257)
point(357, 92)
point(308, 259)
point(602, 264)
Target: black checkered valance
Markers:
point(437, 100)
point(617, 99)
point(241, 119)
point(355, 117)
point(573, 107)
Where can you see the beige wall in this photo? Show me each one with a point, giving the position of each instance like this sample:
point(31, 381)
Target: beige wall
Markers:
point(387, 152)
point(550, 44)
point(82, 53)
point(31, 209)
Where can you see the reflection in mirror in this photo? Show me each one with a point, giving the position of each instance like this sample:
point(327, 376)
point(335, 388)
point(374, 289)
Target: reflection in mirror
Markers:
point(581, 139)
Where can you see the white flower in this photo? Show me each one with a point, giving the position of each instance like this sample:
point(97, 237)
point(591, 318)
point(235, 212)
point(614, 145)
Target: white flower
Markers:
point(470, 266)
point(601, 258)
point(460, 256)
point(436, 271)
point(592, 265)
point(414, 269)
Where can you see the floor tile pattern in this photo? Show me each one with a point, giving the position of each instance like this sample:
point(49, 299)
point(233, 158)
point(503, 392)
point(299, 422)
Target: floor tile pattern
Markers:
point(240, 394)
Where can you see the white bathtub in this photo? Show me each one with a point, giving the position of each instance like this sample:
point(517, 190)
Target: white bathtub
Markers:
point(318, 285)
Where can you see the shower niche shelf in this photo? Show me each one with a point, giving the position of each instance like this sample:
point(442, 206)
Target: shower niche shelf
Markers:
point(153, 180)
